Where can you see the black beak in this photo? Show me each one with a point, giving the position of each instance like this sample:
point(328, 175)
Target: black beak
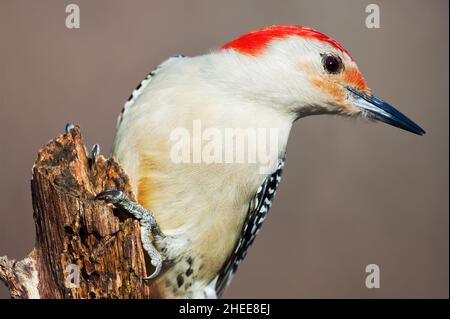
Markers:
point(382, 111)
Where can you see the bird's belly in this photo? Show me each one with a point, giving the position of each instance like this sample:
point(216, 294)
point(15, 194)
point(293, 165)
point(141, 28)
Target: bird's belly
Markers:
point(205, 215)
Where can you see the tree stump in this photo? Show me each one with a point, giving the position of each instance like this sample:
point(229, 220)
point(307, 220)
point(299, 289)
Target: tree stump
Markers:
point(84, 248)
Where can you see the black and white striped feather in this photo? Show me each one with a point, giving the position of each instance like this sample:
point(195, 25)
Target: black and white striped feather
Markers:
point(258, 210)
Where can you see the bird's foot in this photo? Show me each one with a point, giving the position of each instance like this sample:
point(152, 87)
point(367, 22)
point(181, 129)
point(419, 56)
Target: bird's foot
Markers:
point(95, 151)
point(149, 226)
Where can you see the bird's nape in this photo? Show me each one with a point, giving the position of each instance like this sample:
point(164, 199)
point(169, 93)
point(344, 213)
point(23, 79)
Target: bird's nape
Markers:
point(382, 111)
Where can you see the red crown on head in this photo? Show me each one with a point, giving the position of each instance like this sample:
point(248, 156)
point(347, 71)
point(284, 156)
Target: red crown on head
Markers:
point(255, 42)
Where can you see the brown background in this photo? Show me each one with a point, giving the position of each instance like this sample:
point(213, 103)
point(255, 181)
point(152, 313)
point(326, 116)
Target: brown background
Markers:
point(353, 193)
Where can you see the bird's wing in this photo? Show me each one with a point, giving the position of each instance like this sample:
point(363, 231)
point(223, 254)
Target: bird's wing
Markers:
point(257, 213)
point(141, 86)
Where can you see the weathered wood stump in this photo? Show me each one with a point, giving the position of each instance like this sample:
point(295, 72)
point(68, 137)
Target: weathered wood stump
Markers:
point(84, 249)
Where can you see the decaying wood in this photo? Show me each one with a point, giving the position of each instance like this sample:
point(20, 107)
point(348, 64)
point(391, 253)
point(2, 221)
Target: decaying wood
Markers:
point(75, 234)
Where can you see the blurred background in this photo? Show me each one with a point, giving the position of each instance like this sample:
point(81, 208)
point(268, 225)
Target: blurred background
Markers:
point(353, 193)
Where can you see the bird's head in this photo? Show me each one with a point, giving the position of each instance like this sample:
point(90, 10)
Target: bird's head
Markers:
point(303, 72)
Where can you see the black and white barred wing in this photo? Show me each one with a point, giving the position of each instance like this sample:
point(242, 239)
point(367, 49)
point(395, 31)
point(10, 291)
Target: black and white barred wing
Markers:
point(258, 210)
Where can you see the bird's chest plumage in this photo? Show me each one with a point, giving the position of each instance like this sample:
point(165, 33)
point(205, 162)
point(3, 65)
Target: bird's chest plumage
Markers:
point(206, 221)
point(203, 206)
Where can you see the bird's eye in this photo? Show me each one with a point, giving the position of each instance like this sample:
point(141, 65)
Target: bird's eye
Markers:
point(332, 64)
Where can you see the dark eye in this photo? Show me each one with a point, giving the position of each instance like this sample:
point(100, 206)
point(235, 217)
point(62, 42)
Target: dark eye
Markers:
point(332, 64)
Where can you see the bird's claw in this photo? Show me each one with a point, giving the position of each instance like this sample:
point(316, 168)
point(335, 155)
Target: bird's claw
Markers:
point(69, 126)
point(149, 227)
point(157, 262)
point(111, 196)
point(95, 152)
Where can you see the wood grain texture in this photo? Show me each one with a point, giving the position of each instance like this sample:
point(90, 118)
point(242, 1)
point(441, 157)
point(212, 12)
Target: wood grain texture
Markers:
point(73, 228)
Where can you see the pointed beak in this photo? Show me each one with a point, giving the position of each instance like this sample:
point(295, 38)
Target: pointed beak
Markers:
point(382, 111)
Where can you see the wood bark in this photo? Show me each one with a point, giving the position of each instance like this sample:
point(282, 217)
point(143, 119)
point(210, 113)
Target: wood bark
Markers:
point(84, 248)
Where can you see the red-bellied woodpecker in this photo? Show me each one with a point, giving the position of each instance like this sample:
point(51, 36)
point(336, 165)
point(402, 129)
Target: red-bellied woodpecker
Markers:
point(198, 218)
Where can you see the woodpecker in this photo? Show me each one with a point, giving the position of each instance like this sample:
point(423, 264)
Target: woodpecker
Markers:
point(199, 219)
